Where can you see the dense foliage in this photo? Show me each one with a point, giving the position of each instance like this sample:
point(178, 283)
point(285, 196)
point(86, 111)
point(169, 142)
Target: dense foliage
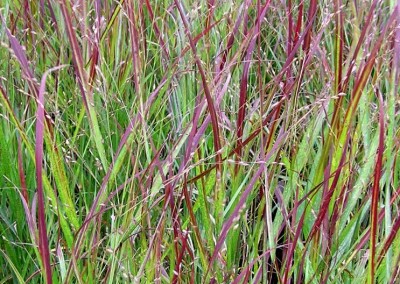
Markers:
point(199, 141)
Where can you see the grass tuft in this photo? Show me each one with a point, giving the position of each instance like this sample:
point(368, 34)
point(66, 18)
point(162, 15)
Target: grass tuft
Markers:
point(199, 141)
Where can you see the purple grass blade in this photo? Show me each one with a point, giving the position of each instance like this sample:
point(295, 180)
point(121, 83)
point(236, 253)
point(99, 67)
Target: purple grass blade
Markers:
point(20, 54)
point(30, 220)
point(77, 56)
point(312, 11)
point(376, 188)
point(40, 128)
point(21, 172)
point(157, 30)
point(210, 103)
point(231, 38)
point(389, 240)
point(359, 43)
point(242, 201)
point(327, 199)
point(244, 80)
point(247, 269)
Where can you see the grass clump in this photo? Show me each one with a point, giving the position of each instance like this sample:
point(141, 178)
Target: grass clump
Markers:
point(199, 141)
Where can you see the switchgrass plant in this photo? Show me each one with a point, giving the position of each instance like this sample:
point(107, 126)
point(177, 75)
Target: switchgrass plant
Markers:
point(189, 141)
